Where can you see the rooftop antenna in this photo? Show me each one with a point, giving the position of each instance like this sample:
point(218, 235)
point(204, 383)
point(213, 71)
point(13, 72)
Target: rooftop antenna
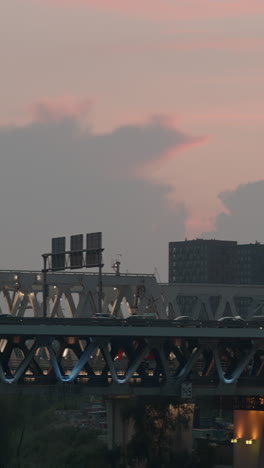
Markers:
point(116, 264)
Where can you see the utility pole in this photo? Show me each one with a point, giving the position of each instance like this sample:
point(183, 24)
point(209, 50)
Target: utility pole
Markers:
point(45, 286)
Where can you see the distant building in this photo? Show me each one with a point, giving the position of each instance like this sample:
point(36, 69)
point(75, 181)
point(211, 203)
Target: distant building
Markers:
point(216, 262)
point(251, 263)
point(203, 261)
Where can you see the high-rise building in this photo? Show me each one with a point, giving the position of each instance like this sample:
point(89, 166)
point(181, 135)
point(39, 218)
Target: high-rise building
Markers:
point(251, 263)
point(203, 261)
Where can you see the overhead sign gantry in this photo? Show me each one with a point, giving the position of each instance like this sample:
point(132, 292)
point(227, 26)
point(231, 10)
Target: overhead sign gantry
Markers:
point(76, 258)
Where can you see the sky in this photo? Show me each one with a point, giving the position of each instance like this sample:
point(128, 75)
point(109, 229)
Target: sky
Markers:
point(143, 120)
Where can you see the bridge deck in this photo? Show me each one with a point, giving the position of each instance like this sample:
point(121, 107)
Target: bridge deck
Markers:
point(143, 328)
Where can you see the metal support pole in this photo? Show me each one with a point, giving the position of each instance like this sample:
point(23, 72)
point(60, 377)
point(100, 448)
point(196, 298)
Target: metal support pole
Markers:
point(44, 271)
point(100, 286)
point(117, 267)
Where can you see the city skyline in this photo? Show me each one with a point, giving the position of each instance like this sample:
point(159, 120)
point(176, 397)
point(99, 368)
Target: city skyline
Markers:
point(142, 120)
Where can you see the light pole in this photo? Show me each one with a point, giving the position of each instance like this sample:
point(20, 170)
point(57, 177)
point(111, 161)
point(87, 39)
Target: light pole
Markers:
point(45, 286)
point(100, 284)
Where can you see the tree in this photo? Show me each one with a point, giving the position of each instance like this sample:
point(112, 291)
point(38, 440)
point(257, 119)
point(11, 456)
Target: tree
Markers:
point(33, 434)
point(158, 430)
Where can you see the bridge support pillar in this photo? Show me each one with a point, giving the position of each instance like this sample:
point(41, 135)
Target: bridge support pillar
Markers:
point(120, 430)
point(249, 431)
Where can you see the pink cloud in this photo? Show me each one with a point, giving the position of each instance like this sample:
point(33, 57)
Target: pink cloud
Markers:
point(150, 169)
point(195, 141)
point(158, 9)
point(56, 110)
point(60, 108)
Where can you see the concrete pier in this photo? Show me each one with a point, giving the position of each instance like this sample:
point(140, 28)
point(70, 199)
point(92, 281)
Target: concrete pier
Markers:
point(120, 429)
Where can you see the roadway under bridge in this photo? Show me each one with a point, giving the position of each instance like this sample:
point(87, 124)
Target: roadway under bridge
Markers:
point(140, 357)
point(76, 295)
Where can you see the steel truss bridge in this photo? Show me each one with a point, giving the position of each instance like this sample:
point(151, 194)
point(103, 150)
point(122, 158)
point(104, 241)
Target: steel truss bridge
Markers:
point(76, 295)
point(133, 357)
point(130, 355)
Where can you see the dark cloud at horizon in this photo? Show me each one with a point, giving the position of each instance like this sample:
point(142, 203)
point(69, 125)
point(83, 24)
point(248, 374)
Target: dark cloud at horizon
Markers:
point(244, 220)
point(58, 179)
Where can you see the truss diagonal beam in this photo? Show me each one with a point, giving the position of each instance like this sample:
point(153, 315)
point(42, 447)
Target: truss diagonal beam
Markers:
point(21, 368)
point(77, 368)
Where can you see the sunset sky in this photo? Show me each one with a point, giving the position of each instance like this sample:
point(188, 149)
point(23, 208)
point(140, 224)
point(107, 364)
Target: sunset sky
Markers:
point(142, 119)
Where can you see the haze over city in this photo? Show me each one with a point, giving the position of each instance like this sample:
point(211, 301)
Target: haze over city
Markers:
point(143, 120)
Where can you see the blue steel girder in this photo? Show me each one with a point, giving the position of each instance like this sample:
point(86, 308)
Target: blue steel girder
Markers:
point(139, 356)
